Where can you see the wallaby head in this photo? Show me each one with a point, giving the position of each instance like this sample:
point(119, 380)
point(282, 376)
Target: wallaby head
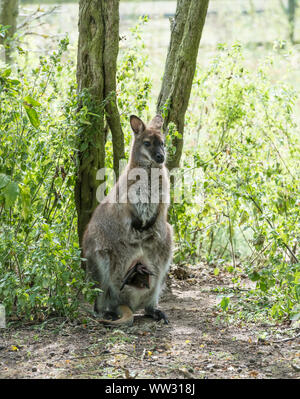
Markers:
point(148, 145)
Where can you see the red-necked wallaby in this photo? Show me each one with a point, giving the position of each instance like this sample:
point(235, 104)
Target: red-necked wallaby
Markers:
point(128, 242)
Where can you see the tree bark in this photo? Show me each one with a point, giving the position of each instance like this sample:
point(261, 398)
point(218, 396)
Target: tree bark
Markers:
point(98, 45)
point(8, 17)
point(292, 5)
point(186, 31)
point(111, 49)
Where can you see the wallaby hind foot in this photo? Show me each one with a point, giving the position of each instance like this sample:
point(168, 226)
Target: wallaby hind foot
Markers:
point(126, 317)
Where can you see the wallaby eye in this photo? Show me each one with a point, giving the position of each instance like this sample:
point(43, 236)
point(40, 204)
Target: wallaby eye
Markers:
point(147, 143)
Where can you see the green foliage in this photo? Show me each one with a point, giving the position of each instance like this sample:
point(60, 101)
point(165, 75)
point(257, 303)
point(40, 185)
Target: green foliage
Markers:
point(247, 144)
point(40, 270)
point(241, 150)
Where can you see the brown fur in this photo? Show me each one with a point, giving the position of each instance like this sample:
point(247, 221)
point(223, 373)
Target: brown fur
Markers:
point(120, 234)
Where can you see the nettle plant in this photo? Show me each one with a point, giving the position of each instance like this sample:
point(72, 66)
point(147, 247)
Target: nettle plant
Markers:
point(39, 253)
point(242, 132)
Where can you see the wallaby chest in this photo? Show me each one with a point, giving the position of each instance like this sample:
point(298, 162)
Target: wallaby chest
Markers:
point(144, 209)
point(144, 215)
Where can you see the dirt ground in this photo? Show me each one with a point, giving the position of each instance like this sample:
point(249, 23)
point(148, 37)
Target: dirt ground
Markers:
point(199, 342)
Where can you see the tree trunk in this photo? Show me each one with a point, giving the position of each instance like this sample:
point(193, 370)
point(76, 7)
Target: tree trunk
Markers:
point(111, 49)
point(98, 45)
point(8, 17)
point(292, 5)
point(186, 31)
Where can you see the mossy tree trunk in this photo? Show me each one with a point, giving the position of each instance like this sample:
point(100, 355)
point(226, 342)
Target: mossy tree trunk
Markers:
point(98, 46)
point(9, 10)
point(186, 31)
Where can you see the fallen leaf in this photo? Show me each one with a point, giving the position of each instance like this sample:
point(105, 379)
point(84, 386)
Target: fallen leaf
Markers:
point(253, 373)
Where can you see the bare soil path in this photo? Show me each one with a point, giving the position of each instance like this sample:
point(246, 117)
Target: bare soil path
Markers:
point(200, 342)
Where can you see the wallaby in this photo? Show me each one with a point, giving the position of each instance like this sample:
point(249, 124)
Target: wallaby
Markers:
point(128, 242)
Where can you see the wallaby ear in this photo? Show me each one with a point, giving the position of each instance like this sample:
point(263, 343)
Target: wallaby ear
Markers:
point(137, 124)
point(156, 122)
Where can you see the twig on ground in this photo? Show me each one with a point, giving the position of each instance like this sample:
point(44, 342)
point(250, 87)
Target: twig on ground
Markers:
point(286, 339)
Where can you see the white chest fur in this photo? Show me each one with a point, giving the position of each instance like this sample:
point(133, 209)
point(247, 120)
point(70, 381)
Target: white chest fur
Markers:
point(145, 194)
point(146, 212)
point(146, 206)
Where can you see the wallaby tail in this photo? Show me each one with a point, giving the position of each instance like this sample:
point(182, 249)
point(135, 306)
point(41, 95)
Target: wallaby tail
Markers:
point(125, 319)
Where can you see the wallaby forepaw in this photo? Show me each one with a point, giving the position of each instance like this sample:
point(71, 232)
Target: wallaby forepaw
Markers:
point(137, 276)
point(158, 315)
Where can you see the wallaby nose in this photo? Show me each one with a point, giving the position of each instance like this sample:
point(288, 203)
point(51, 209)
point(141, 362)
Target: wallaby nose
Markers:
point(159, 158)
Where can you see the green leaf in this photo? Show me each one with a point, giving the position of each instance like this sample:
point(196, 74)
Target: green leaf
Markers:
point(32, 115)
point(11, 192)
point(224, 303)
point(4, 180)
point(6, 73)
point(263, 286)
point(14, 82)
point(254, 276)
point(31, 101)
